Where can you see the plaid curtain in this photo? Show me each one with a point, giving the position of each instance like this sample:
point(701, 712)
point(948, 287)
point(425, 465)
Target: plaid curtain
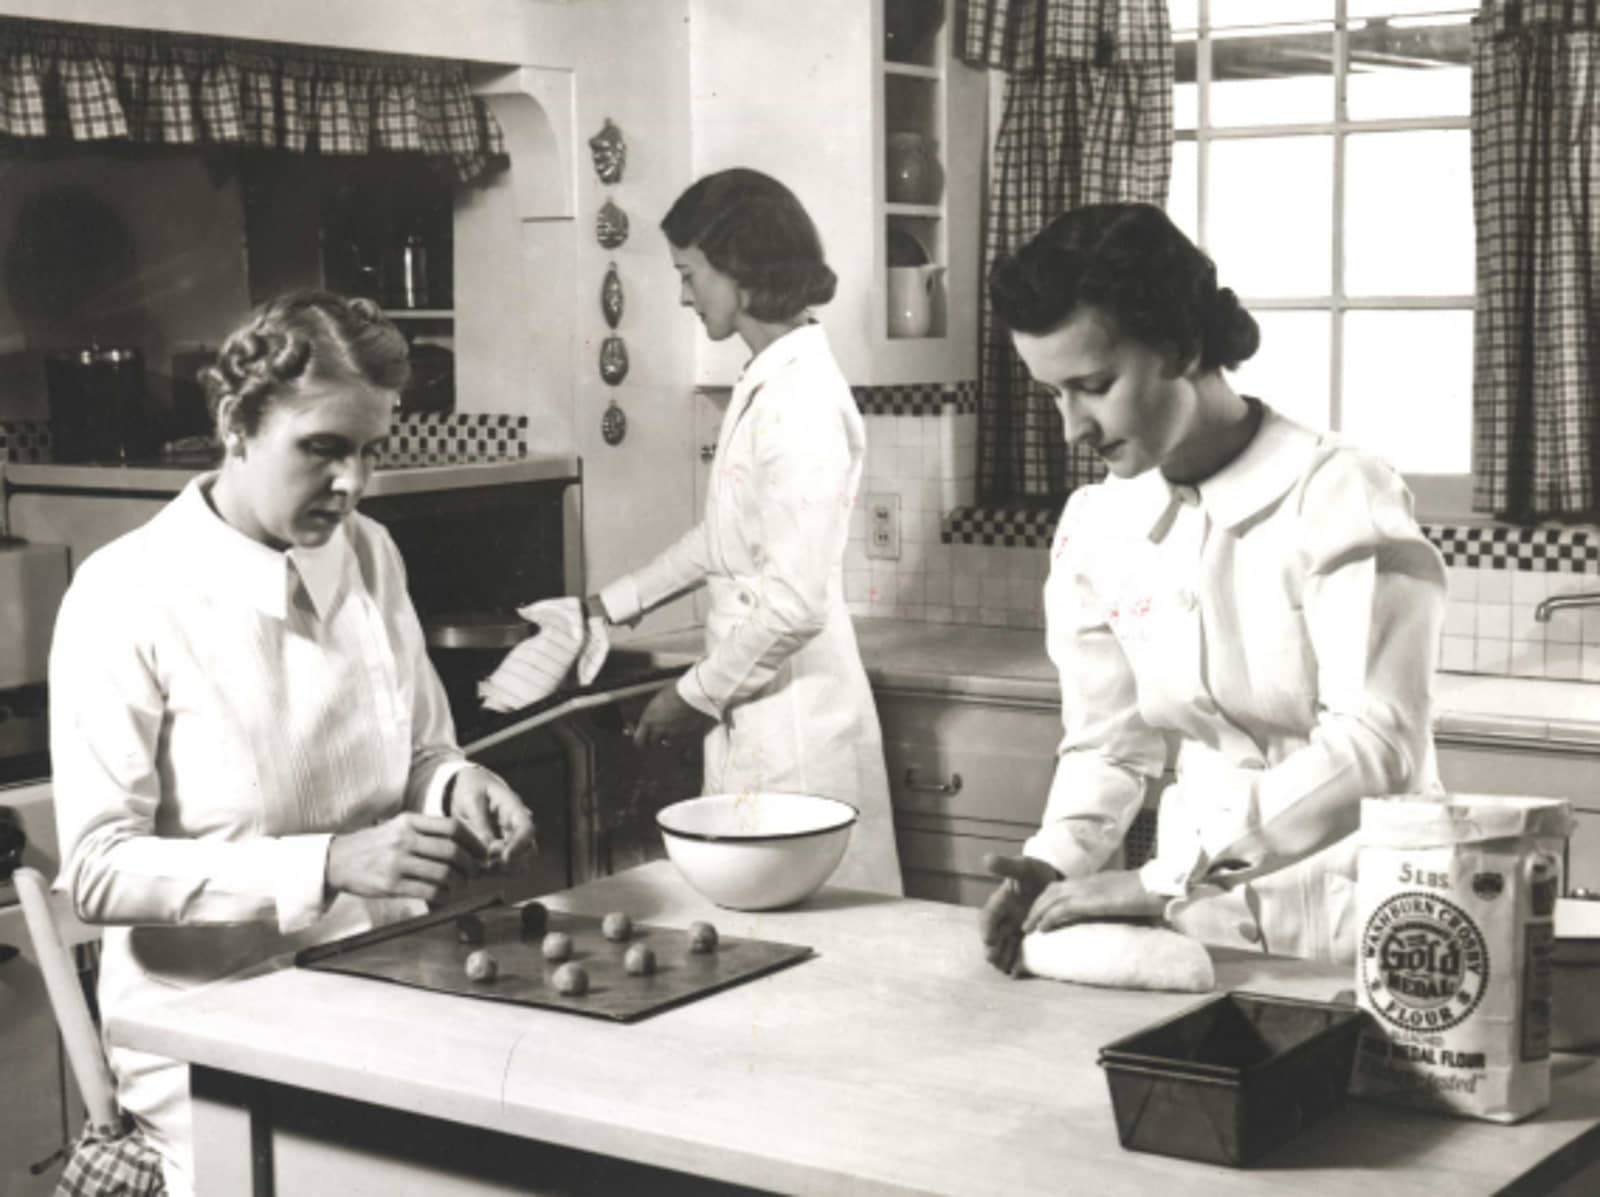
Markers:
point(1087, 118)
point(1536, 199)
point(87, 83)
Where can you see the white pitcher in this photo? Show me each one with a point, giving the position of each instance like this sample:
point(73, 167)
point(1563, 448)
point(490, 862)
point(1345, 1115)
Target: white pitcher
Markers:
point(911, 294)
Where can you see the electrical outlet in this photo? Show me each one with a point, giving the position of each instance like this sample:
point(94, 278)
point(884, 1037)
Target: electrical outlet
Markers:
point(883, 526)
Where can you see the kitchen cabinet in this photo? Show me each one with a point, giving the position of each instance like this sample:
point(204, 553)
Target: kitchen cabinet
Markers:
point(798, 116)
point(969, 775)
point(1488, 764)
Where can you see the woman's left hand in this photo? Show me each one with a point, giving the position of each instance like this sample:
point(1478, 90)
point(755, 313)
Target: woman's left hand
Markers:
point(668, 718)
point(1118, 894)
point(491, 810)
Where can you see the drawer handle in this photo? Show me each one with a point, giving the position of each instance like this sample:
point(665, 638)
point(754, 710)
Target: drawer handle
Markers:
point(953, 786)
point(7, 953)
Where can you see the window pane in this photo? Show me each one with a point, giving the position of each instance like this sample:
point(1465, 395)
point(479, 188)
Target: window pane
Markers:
point(1388, 8)
point(1184, 14)
point(1183, 196)
point(1406, 69)
point(1408, 388)
point(1272, 76)
point(1262, 12)
point(1290, 370)
point(1269, 215)
point(1408, 213)
point(1185, 89)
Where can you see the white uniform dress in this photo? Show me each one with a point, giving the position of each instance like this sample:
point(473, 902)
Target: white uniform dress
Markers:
point(213, 722)
point(782, 673)
point(1270, 636)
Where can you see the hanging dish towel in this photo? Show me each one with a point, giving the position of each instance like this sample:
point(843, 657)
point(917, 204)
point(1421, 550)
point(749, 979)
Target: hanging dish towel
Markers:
point(537, 667)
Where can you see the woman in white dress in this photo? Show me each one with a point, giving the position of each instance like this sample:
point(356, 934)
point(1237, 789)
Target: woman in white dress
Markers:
point(780, 696)
point(251, 750)
point(1244, 601)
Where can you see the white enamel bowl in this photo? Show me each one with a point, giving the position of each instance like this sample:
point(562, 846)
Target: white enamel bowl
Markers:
point(756, 851)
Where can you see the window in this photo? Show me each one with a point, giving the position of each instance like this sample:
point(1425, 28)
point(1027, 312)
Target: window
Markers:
point(1323, 158)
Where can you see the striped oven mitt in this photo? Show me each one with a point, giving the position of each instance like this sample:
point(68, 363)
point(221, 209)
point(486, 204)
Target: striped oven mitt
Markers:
point(536, 668)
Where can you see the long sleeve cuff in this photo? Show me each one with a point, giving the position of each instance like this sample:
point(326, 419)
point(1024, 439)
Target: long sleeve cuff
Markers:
point(1074, 847)
point(433, 793)
point(693, 692)
point(1171, 874)
point(302, 881)
point(622, 601)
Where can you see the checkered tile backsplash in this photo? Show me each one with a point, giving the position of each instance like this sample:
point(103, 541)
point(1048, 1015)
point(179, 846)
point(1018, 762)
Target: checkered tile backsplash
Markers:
point(417, 439)
point(456, 438)
point(964, 563)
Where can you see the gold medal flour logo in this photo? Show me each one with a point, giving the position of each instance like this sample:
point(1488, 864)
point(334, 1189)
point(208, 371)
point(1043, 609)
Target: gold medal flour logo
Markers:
point(1424, 963)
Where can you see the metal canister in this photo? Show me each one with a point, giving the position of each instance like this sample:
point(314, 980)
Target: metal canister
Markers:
point(98, 411)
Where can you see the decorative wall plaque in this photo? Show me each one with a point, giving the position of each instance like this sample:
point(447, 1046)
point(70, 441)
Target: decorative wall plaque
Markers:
point(613, 424)
point(613, 360)
point(611, 225)
point(611, 302)
point(609, 152)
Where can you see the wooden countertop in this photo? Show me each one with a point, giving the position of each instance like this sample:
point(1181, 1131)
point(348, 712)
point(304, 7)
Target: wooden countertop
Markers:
point(895, 1061)
point(971, 661)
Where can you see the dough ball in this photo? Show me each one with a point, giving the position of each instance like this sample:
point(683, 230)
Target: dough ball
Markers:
point(556, 946)
point(616, 926)
point(469, 929)
point(481, 966)
point(1120, 956)
point(535, 918)
point(571, 979)
point(702, 937)
point(639, 961)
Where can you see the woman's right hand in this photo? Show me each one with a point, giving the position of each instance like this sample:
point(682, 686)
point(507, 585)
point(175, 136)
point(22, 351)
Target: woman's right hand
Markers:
point(1000, 921)
point(407, 856)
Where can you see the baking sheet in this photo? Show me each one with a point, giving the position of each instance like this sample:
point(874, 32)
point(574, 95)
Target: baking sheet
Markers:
point(427, 953)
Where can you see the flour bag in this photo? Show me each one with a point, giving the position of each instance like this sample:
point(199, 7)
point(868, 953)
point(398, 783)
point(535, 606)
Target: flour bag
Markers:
point(1455, 904)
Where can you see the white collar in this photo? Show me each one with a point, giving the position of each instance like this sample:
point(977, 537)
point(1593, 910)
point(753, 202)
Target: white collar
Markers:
point(1275, 459)
point(807, 340)
point(227, 562)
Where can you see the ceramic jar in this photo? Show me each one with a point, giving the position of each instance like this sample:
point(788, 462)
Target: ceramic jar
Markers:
point(911, 169)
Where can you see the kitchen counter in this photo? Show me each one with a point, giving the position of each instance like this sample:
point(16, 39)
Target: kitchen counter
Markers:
point(894, 1061)
point(969, 661)
point(166, 478)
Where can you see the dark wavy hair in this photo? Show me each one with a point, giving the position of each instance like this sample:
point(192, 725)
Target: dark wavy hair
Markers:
point(299, 338)
point(1132, 264)
point(753, 229)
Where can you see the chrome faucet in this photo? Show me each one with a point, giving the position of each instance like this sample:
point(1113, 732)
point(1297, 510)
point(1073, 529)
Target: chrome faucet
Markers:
point(1589, 598)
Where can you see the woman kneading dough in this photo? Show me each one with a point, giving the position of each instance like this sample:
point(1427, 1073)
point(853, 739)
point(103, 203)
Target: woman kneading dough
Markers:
point(780, 696)
point(1244, 600)
point(251, 750)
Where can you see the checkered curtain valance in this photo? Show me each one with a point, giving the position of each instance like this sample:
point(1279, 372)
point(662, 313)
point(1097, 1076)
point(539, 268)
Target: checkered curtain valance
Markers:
point(1536, 199)
point(1086, 118)
point(88, 83)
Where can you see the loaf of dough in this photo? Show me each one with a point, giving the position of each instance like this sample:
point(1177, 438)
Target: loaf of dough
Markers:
point(1120, 956)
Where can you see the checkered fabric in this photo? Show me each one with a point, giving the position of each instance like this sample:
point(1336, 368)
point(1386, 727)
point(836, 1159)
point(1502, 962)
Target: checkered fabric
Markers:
point(118, 1165)
point(93, 84)
point(1536, 199)
point(1011, 527)
point(1087, 118)
point(1529, 550)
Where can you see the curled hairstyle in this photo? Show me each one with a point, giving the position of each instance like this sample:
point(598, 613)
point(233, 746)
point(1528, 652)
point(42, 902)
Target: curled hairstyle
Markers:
point(300, 338)
point(753, 229)
point(1133, 265)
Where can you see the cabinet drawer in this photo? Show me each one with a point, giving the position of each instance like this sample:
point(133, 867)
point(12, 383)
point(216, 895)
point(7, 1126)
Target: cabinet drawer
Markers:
point(968, 759)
